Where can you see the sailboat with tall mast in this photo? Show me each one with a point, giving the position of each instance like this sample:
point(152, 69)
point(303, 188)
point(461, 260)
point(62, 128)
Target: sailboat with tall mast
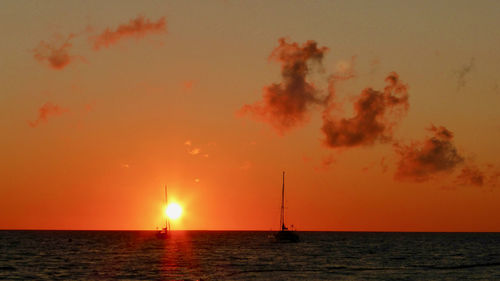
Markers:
point(165, 232)
point(284, 234)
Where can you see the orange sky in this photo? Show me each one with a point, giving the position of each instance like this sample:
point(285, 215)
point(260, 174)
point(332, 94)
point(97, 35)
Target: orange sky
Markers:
point(99, 107)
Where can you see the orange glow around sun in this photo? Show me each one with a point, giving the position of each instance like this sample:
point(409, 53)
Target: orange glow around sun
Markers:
point(173, 211)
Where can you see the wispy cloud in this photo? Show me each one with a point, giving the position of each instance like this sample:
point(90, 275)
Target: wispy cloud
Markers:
point(462, 74)
point(55, 53)
point(135, 28)
point(285, 105)
point(194, 151)
point(44, 112)
point(420, 161)
point(473, 175)
point(187, 86)
point(372, 120)
point(327, 161)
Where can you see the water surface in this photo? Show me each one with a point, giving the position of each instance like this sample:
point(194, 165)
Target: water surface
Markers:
point(231, 255)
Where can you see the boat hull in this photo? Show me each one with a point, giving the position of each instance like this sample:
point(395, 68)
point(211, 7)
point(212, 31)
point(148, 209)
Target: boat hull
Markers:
point(286, 236)
point(162, 235)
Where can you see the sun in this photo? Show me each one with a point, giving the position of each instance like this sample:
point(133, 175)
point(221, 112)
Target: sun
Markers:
point(173, 211)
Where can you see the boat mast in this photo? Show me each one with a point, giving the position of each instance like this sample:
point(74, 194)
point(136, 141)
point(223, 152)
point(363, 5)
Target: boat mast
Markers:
point(282, 215)
point(167, 222)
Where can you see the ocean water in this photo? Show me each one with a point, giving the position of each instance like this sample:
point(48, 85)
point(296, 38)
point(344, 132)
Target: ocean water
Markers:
point(231, 255)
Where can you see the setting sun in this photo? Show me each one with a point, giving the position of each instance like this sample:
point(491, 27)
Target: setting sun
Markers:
point(173, 211)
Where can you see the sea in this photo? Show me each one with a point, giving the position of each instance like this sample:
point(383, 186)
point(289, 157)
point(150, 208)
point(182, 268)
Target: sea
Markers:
point(247, 255)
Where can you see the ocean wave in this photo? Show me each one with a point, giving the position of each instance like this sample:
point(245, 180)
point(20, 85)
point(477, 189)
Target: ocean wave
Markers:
point(8, 268)
point(462, 266)
point(344, 269)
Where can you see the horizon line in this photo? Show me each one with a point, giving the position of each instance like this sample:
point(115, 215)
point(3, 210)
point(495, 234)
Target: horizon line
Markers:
point(245, 230)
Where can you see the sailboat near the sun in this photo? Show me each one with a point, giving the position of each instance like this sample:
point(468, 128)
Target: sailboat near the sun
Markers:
point(284, 234)
point(165, 232)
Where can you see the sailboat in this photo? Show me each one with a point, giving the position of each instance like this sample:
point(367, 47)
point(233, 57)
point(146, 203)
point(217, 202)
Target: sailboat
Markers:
point(165, 232)
point(284, 234)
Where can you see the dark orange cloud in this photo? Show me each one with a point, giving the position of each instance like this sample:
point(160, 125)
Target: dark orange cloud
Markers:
point(420, 161)
point(493, 178)
point(56, 54)
point(285, 105)
point(45, 111)
point(462, 74)
point(471, 175)
point(327, 161)
point(376, 112)
point(187, 85)
point(135, 28)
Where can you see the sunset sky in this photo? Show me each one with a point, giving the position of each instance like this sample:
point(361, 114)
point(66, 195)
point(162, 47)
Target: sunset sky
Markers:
point(383, 114)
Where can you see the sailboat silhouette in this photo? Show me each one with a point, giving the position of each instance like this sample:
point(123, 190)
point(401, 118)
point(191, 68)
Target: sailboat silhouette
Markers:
point(165, 232)
point(284, 234)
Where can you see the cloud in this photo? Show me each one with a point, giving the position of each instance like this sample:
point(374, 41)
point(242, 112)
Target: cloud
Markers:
point(437, 155)
point(187, 86)
point(135, 28)
point(462, 74)
point(194, 151)
point(420, 161)
point(493, 178)
point(45, 111)
point(471, 175)
point(56, 54)
point(376, 112)
point(285, 105)
point(327, 161)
